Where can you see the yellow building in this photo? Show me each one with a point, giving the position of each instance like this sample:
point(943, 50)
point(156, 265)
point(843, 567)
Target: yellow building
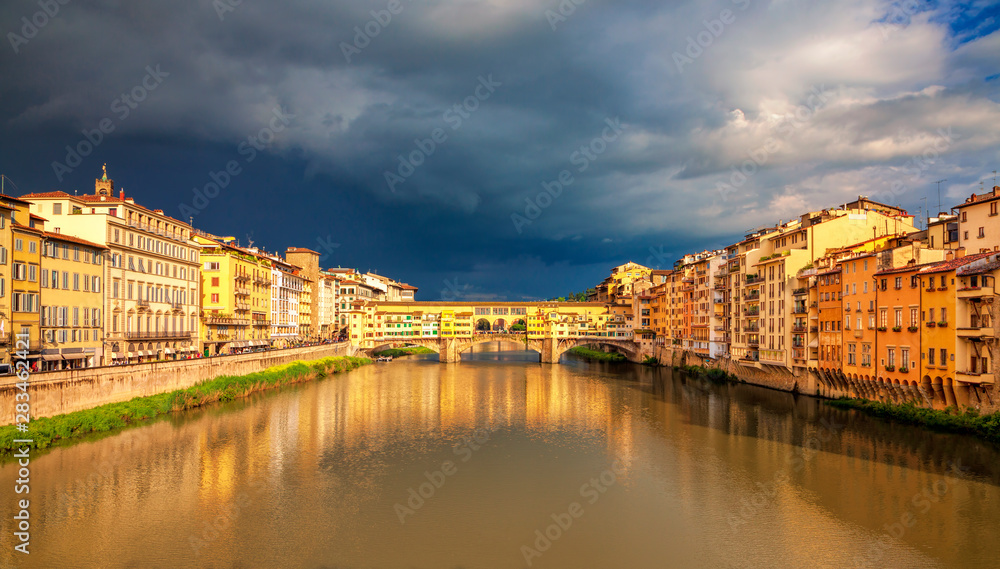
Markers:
point(25, 289)
point(306, 331)
point(236, 296)
point(72, 302)
point(7, 340)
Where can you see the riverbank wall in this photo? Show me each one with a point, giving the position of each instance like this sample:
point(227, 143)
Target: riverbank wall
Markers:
point(58, 392)
point(833, 385)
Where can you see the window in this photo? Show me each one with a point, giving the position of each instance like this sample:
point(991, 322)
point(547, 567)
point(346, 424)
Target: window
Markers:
point(913, 317)
point(215, 298)
point(899, 282)
point(215, 281)
point(944, 357)
point(32, 247)
point(76, 281)
point(930, 356)
point(892, 357)
point(57, 209)
point(904, 358)
point(899, 318)
point(19, 244)
point(45, 278)
point(882, 317)
point(944, 314)
point(982, 232)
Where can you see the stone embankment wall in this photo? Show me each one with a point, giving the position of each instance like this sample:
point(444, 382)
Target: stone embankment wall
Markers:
point(55, 393)
point(986, 398)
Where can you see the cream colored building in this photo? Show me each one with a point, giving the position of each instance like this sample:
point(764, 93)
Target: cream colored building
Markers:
point(152, 277)
point(979, 222)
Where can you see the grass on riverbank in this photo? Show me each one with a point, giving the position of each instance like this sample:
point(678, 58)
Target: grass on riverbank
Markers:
point(597, 355)
point(949, 420)
point(47, 431)
point(400, 352)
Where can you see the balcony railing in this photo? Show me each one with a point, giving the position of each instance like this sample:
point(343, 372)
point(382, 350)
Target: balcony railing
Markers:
point(158, 335)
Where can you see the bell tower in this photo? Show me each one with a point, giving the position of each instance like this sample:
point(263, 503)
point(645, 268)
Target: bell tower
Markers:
point(103, 186)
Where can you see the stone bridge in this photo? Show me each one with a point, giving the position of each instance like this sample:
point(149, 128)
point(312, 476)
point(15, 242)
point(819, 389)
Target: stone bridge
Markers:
point(450, 349)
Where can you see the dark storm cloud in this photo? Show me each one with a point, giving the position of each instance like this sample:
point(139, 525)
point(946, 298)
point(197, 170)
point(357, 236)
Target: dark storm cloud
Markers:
point(692, 115)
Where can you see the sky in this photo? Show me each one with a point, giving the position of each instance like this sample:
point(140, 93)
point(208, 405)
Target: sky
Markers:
point(500, 149)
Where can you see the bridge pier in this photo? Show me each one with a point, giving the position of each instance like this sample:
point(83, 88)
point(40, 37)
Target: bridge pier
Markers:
point(550, 353)
point(448, 351)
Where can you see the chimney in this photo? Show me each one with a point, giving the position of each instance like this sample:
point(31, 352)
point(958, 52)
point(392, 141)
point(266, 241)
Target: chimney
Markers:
point(960, 252)
point(121, 194)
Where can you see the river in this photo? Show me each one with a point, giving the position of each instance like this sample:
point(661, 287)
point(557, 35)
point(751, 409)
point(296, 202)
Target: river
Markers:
point(502, 462)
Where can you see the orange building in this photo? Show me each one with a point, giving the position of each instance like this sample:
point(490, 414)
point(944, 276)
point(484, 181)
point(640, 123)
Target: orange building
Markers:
point(898, 325)
point(831, 320)
point(858, 277)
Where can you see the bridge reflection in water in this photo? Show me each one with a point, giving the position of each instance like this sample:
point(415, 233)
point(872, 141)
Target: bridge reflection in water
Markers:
point(316, 471)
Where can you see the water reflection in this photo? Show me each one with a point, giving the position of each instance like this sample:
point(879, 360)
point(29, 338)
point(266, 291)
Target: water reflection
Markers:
point(714, 476)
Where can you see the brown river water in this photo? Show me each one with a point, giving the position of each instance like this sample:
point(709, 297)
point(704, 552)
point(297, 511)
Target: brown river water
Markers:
point(502, 462)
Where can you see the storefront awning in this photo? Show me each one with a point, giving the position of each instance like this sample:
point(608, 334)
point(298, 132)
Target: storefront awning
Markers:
point(51, 357)
point(76, 356)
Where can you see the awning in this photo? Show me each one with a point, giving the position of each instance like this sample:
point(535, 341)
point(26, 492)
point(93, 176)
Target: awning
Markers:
point(814, 343)
point(118, 355)
point(76, 356)
point(168, 351)
point(51, 357)
point(131, 354)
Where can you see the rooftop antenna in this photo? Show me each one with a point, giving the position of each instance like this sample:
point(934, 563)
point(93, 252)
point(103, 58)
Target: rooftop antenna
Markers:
point(927, 213)
point(939, 193)
point(2, 179)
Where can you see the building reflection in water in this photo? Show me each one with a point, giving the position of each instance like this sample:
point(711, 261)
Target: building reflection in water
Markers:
point(711, 476)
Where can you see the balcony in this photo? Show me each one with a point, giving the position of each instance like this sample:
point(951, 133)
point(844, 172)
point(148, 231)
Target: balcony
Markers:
point(157, 231)
point(800, 291)
point(754, 342)
point(859, 333)
point(975, 377)
point(215, 320)
point(752, 296)
point(799, 329)
point(800, 309)
point(158, 335)
point(751, 329)
point(973, 292)
point(776, 356)
point(975, 332)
